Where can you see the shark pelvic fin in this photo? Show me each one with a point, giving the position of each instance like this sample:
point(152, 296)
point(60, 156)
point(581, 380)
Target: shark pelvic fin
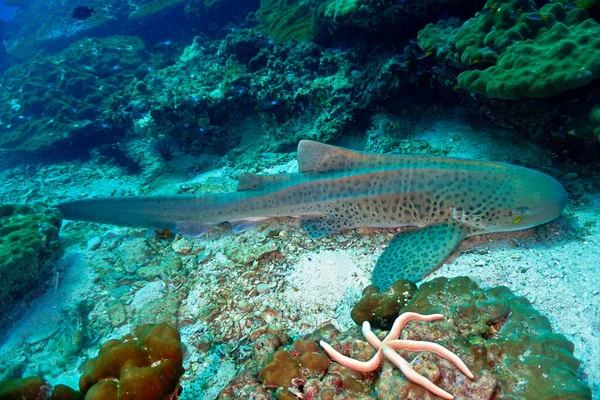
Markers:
point(413, 254)
point(241, 225)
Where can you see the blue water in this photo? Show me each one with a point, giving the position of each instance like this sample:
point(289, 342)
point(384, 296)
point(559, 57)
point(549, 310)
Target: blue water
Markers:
point(109, 98)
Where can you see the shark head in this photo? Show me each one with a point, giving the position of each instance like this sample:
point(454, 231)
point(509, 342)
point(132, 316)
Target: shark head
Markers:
point(536, 198)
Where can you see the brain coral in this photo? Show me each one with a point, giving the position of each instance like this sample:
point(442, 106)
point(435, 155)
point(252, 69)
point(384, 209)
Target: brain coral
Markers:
point(562, 58)
point(28, 242)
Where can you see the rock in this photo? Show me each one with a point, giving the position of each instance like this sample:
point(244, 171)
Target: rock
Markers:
point(245, 255)
point(94, 243)
point(263, 288)
point(116, 314)
point(570, 176)
point(183, 246)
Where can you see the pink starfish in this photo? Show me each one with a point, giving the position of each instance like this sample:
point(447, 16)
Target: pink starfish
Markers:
point(386, 349)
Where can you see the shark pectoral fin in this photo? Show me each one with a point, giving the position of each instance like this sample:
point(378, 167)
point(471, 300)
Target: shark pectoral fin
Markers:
point(241, 225)
point(193, 228)
point(317, 226)
point(413, 254)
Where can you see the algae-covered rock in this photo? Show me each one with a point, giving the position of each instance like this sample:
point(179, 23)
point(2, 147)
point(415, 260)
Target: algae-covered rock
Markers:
point(28, 242)
point(505, 342)
point(382, 309)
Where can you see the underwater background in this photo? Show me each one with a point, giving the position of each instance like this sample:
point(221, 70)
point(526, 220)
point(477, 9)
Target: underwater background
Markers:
point(181, 97)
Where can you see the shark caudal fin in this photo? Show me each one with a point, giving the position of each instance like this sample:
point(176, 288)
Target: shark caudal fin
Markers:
point(413, 254)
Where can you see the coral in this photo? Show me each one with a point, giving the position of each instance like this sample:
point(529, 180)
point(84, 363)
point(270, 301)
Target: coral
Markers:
point(381, 309)
point(559, 59)
point(35, 388)
point(504, 335)
point(28, 242)
point(541, 51)
point(43, 107)
point(146, 366)
point(509, 346)
point(24, 388)
point(238, 84)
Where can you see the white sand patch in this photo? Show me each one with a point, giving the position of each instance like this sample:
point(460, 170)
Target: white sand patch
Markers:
point(325, 284)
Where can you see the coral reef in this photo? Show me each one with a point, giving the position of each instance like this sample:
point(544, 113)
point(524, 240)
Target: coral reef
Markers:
point(144, 366)
point(28, 242)
point(247, 85)
point(509, 346)
point(43, 107)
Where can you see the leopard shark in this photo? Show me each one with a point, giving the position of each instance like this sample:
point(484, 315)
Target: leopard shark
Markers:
point(444, 199)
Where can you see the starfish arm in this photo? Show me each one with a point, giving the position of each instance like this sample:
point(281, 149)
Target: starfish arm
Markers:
point(370, 336)
point(414, 345)
point(406, 317)
point(361, 366)
point(412, 375)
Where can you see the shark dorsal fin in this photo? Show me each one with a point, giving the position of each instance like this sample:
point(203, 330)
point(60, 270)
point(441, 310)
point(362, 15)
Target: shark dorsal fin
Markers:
point(315, 156)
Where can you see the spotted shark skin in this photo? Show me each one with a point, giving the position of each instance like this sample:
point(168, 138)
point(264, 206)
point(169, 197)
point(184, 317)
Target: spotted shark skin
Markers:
point(446, 199)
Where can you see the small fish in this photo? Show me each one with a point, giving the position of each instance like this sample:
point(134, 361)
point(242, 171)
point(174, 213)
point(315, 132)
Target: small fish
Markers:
point(516, 13)
point(537, 17)
point(234, 92)
point(424, 55)
point(226, 30)
point(265, 44)
point(161, 46)
point(488, 10)
point(266, 105)
point(82, 12)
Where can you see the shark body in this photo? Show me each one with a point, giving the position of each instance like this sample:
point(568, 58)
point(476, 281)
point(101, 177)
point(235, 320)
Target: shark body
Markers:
point(447, 199)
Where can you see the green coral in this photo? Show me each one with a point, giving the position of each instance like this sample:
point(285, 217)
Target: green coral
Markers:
point(503, 334)
point(28, 242)
point(516, 50)
point(561, 58)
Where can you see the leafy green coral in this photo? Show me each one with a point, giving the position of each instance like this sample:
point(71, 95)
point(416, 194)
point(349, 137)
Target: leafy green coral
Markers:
point(28, 242)
point(285, 20)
